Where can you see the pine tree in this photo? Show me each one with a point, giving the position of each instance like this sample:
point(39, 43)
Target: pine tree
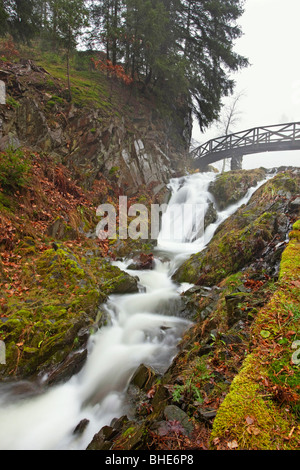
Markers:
point(180, 50)
point(106, 30)
point(71, 17)
point(3, 19)
point(208, 30)
point(23, 21)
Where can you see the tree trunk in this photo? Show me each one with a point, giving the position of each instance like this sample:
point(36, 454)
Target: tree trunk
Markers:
point(68, 74)
point(115, 23)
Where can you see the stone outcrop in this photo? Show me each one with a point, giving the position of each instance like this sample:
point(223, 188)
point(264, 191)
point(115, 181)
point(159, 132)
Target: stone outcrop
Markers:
point(2, 92)
point(256, 232)
point(230, 187)
point(133, 152)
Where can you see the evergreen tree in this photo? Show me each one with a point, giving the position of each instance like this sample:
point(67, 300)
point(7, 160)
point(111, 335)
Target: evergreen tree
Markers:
point(106, 16)
point(23, 21)
point(71, 17)
point(182, 50)
point(144, 22)
point(208, 30)
point(52, 8)
point(3, 19)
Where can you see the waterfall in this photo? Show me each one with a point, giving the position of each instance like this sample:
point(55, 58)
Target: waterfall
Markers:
point(141, 330)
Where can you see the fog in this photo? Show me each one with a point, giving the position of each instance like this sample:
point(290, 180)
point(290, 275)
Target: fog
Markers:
point(270, 86)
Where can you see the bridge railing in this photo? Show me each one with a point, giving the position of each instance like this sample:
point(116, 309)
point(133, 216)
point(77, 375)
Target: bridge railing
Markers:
point(258, 135)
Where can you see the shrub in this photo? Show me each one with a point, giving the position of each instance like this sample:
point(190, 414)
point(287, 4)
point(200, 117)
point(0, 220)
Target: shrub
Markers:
point(12, 103)
point(14, 169)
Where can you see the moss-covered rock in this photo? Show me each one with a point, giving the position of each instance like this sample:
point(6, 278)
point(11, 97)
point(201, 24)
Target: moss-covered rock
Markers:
point(229, 187)
point(245, 236)
point(248, 421)
point(63, 293)
point(262, 408)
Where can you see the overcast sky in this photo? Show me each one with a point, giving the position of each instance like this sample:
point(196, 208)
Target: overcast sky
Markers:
point(271, 84)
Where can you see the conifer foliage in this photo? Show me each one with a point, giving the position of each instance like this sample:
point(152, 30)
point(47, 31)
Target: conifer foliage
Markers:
point(179, 50)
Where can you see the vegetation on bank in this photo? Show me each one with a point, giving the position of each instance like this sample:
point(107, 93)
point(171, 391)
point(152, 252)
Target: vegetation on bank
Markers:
point(181, 52)
point(233, 384)
point(53, 278)
point(262, 408)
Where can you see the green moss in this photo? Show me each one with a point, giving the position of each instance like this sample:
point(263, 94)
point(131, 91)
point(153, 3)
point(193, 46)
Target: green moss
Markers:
point(230, 187)
point(128, 432)
point(55, 266)
point(114, 170)
point(10, 101)
point(290, 262)
point(6, 203)
point(65, 290)
point(296, 225)
point(241, 238)
point(14, 170)
point(263, 403)
point(249, 418)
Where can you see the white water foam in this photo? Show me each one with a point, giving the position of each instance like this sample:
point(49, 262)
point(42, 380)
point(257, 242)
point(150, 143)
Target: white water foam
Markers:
point(139, 333)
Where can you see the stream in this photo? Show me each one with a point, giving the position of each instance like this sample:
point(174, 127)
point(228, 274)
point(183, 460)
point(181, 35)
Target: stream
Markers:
point(142, 329)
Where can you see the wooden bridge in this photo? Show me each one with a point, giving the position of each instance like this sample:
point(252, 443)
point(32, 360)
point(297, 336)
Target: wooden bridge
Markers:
point(273, 138)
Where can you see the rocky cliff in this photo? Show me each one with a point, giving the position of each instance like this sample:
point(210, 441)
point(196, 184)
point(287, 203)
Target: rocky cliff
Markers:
point(58, 162)
point(122, 135)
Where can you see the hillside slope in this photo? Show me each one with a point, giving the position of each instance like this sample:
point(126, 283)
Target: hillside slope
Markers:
point(108, 128)
point(58, 162)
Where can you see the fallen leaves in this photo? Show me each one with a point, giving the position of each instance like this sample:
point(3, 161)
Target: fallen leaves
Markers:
point(253, 284)
point(232, 445)
point(250, 420)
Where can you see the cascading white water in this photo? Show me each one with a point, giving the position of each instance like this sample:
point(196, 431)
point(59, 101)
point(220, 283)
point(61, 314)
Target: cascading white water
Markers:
point(140, 331)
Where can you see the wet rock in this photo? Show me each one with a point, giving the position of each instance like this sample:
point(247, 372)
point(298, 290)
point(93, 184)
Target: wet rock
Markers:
point(102, 440)
point(160, 398)
point(113, 280)
point(143, 378)
point(124, 284)
point(81, 427)
point(210, 216)
point(206, 415)
point(198, 302)
point(294, 205)
point(121, 434)
point(174, 413)
point(234, 312)
point(70, 366)
point(83, 335)
point(231, 339)
point(136, 394)
point(142, 261)
point(132, 437)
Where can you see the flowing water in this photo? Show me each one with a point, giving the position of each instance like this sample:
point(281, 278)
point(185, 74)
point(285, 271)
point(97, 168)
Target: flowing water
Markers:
point(141, 330)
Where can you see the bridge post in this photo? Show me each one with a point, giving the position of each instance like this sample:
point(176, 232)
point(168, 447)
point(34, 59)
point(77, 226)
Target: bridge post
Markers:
point(236, 163)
